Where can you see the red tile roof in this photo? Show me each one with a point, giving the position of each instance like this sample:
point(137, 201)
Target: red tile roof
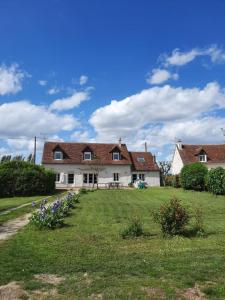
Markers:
point(73, 153)
point(149, 163)
point(215, 153)
point(102, 154)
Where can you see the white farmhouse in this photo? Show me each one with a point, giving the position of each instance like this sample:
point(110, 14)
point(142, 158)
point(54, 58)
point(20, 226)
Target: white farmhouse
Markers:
point(89, 164)
point(211, 155)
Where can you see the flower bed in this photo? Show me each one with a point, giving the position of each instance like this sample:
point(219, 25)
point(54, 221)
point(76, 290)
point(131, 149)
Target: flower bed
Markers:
point(52, 216)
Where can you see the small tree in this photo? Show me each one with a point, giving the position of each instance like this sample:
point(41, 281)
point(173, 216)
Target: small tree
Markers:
point(193, 176)
point(216, 181)
point(165, 167)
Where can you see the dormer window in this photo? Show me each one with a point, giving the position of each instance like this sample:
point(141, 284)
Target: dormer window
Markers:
point(202, 157)
point(58, 155)
point(116, 156)
point(141, 159)
point(87, 155)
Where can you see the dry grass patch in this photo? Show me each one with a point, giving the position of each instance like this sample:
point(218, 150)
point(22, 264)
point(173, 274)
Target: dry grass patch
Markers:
point(49, 278)
point(12, 290)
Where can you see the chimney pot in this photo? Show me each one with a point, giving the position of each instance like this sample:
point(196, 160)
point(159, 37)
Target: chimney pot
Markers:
point(179, 144)
point(120, 142)
point(146, 147)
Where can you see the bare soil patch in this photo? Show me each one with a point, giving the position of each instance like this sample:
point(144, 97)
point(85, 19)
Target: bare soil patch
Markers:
point(49, 278)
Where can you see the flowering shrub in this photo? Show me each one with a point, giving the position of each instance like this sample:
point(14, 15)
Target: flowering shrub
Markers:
point(51, 216)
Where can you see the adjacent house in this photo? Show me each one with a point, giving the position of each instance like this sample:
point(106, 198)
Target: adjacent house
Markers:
point(89, 164)
point(211, 155)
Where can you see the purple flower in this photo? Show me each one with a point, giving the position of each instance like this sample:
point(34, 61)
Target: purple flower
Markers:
point(33, 203)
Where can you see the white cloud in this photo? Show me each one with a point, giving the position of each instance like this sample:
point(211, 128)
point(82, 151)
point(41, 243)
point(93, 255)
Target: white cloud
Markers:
point(83, 79)
point(81, 136)
point(42, 82)
point(25, 119)
point(70, 102)
point(53, 91)
point(179, 58)
point(161, 75)
point(11, 79)
point(160, 114)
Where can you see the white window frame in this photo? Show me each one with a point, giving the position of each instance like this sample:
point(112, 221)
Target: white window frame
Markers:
point(141, 176)
point(116, 156)
point(116, 177)
point(57, 177)
point(140, 159)
point(202, 157)
point(58, 152)
point(68, 178)
point(87, 153)
point(93, 176)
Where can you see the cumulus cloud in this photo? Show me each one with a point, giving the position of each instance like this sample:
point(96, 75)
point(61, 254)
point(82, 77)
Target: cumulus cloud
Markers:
point(70, 102)
point(25, 119)
point(83, 79)
point(11, 79)
point(161, 75)
point(159, 114)
point(179, 58)
point(42, 82)
point(53, 91)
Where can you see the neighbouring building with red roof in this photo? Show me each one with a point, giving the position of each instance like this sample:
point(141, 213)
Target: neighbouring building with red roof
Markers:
point(89, 164)
point(211, 155)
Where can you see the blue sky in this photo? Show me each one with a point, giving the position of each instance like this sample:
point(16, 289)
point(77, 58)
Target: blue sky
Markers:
point(63, 62)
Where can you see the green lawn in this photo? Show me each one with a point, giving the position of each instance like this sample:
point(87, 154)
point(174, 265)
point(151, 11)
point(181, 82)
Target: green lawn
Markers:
point(14, 202)
point(94, 259)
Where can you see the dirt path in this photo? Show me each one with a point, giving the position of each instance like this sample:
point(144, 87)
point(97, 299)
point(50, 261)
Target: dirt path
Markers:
point(11, 227)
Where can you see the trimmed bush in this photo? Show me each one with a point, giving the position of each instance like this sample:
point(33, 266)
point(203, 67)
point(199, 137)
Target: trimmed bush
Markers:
point(172, 217)
point(216, 181)
point(193, 176)
point(20, 178)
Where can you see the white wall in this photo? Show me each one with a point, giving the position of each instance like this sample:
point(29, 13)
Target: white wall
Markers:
point(151, 178)
point(105, 173)
point(177, 163)
point(214, 165)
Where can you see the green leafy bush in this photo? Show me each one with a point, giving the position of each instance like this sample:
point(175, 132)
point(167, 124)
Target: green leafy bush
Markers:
point(216, 181)
point(172, 217)
point(20, 178)
point(134, 229)
point(193, 176)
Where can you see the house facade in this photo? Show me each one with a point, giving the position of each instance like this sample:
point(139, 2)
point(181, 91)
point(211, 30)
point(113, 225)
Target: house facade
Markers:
point(89, 164)
point(211, 155)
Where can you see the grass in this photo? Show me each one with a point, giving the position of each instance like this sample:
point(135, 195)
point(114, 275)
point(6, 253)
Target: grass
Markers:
point(14, 202)
point(95, 260)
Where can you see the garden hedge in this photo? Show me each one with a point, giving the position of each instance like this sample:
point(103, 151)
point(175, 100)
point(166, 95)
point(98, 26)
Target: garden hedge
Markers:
point(193, 176)
point(20, 178)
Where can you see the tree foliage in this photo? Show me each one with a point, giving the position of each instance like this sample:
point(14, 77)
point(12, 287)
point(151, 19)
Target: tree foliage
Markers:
point(193, 176)
point(216, 181)
point(165, 167)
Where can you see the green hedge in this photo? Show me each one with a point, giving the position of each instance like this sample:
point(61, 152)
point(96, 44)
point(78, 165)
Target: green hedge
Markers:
point(193, 176)
point(20, 178)
point(216, 181)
